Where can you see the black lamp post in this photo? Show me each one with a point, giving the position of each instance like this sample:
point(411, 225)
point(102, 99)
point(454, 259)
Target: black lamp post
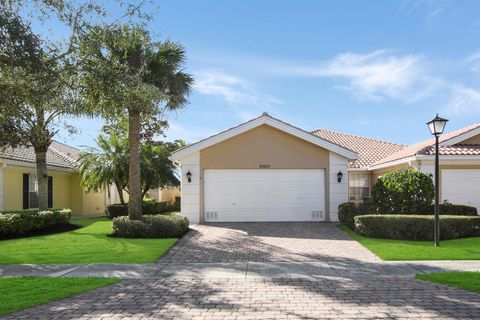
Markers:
point(436, 127)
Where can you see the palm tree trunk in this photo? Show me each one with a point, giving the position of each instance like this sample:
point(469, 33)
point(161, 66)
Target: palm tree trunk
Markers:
point(120, 193)
point(42, 178)
point(134, 179)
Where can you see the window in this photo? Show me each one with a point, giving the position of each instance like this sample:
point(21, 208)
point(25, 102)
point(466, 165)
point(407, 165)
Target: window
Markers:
point(359, 186)
point(33, 191)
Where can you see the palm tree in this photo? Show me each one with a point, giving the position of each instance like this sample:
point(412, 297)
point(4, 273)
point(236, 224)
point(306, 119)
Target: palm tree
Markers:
point(106, 165)
point(109, 164)
point(125, 72)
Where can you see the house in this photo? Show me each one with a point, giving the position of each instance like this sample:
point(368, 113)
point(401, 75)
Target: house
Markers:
point(19, 188)
point(268, 170)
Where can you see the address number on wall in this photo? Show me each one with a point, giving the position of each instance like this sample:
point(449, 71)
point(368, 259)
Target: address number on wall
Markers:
point(264, 166)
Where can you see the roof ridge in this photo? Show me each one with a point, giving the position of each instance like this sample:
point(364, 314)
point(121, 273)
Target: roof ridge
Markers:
point(66, 145)
point(66, 157)
point(362, 137)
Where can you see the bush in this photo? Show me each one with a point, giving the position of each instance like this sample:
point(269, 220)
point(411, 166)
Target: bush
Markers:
point(348, 211)
point(149, 207)
point(456, 209)
point(22, 222)
point(151, 226)
point(416, 227)
point(403, 191)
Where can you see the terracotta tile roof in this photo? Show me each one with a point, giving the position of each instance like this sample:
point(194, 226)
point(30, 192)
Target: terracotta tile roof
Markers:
point(425, 147)
point(456, 149)
point(368, 150)
point(58, 155)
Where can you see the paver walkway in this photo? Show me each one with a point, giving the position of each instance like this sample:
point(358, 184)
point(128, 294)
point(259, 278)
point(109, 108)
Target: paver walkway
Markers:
point(261, 271)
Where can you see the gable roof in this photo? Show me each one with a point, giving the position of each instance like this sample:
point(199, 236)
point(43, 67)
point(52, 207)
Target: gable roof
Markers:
point(264, 119)
point(446, 147)
point(369, 150)
point(58, 155)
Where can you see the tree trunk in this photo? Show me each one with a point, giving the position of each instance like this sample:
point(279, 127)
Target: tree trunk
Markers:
point(42, 178)
point(120, 193)
point(134, 179)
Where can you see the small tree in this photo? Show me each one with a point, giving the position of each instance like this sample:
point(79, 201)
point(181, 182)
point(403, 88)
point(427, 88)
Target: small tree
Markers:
point(106, 165)
point(109, 164)
point(403, 191)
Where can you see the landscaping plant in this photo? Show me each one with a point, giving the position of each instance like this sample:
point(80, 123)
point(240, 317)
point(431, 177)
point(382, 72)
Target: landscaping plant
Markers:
point(406, 191)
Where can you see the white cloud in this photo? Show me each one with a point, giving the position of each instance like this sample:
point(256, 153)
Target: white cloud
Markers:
point(190, 134)
point(234, 90)
point(373, 76)
point(463, 101)
point(474, 61)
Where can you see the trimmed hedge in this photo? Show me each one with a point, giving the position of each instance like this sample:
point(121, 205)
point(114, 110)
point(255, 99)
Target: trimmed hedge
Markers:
point(455, 210)
point(22, 222)
point(416, 227)
point(149, 207)
point(348, 211)
point(151, 226)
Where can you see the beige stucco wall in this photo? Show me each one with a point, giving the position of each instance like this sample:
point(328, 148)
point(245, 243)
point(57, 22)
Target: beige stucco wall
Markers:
point(261, 146)
point(472, 140)
point(264, 145)
point(13, 187)
point(67, 192)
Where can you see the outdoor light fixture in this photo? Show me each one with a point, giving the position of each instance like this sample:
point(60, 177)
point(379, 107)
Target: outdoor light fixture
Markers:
point(189, 176)
point(339, 176)
point(436, 127)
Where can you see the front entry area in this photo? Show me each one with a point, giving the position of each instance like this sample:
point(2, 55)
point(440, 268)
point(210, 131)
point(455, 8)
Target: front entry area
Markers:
point(251, 195)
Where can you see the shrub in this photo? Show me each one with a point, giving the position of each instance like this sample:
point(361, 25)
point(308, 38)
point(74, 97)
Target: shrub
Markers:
point(456, 209)
point(149, 207)
point(348, 211)
point(416, 227)
point(403, 191)
point(151, 226)
point(21, 222)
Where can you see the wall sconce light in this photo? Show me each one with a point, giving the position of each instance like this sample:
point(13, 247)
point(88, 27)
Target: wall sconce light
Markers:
point(431, 176)
point(189, 176)
point(339, 176)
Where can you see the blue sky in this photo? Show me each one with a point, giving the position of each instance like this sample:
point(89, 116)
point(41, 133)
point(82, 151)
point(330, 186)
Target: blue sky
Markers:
point(373, 68)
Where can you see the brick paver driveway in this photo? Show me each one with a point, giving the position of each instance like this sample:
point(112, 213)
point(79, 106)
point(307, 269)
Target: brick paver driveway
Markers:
point(299, 241)
point(344, 291)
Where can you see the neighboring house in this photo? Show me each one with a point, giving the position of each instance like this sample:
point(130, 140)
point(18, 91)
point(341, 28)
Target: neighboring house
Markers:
point(19, 188)
point(269, 170)
point(167, 194)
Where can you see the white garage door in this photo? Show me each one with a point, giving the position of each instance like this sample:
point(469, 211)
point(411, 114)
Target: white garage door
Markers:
point(264, 195)
point(461, 186)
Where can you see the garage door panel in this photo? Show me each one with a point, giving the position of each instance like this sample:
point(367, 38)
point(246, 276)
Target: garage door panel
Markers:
point(264, 195)
point(461, 186)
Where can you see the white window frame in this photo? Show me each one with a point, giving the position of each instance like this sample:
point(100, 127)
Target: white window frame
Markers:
point(368, 185)
point(32, 180)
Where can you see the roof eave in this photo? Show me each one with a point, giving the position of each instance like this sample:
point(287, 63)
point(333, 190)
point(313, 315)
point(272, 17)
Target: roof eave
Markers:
point(254, 123)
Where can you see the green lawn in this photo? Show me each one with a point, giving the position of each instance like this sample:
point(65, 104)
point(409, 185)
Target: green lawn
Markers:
point(463, 280)
point(387, 249)
point(89, 244)
point(20, 293)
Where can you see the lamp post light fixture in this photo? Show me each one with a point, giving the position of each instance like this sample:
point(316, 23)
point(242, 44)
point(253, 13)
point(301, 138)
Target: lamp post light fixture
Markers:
point(436, 126)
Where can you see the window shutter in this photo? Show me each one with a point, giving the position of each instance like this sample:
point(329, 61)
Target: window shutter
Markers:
point(50, 192)
point(25, 191)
